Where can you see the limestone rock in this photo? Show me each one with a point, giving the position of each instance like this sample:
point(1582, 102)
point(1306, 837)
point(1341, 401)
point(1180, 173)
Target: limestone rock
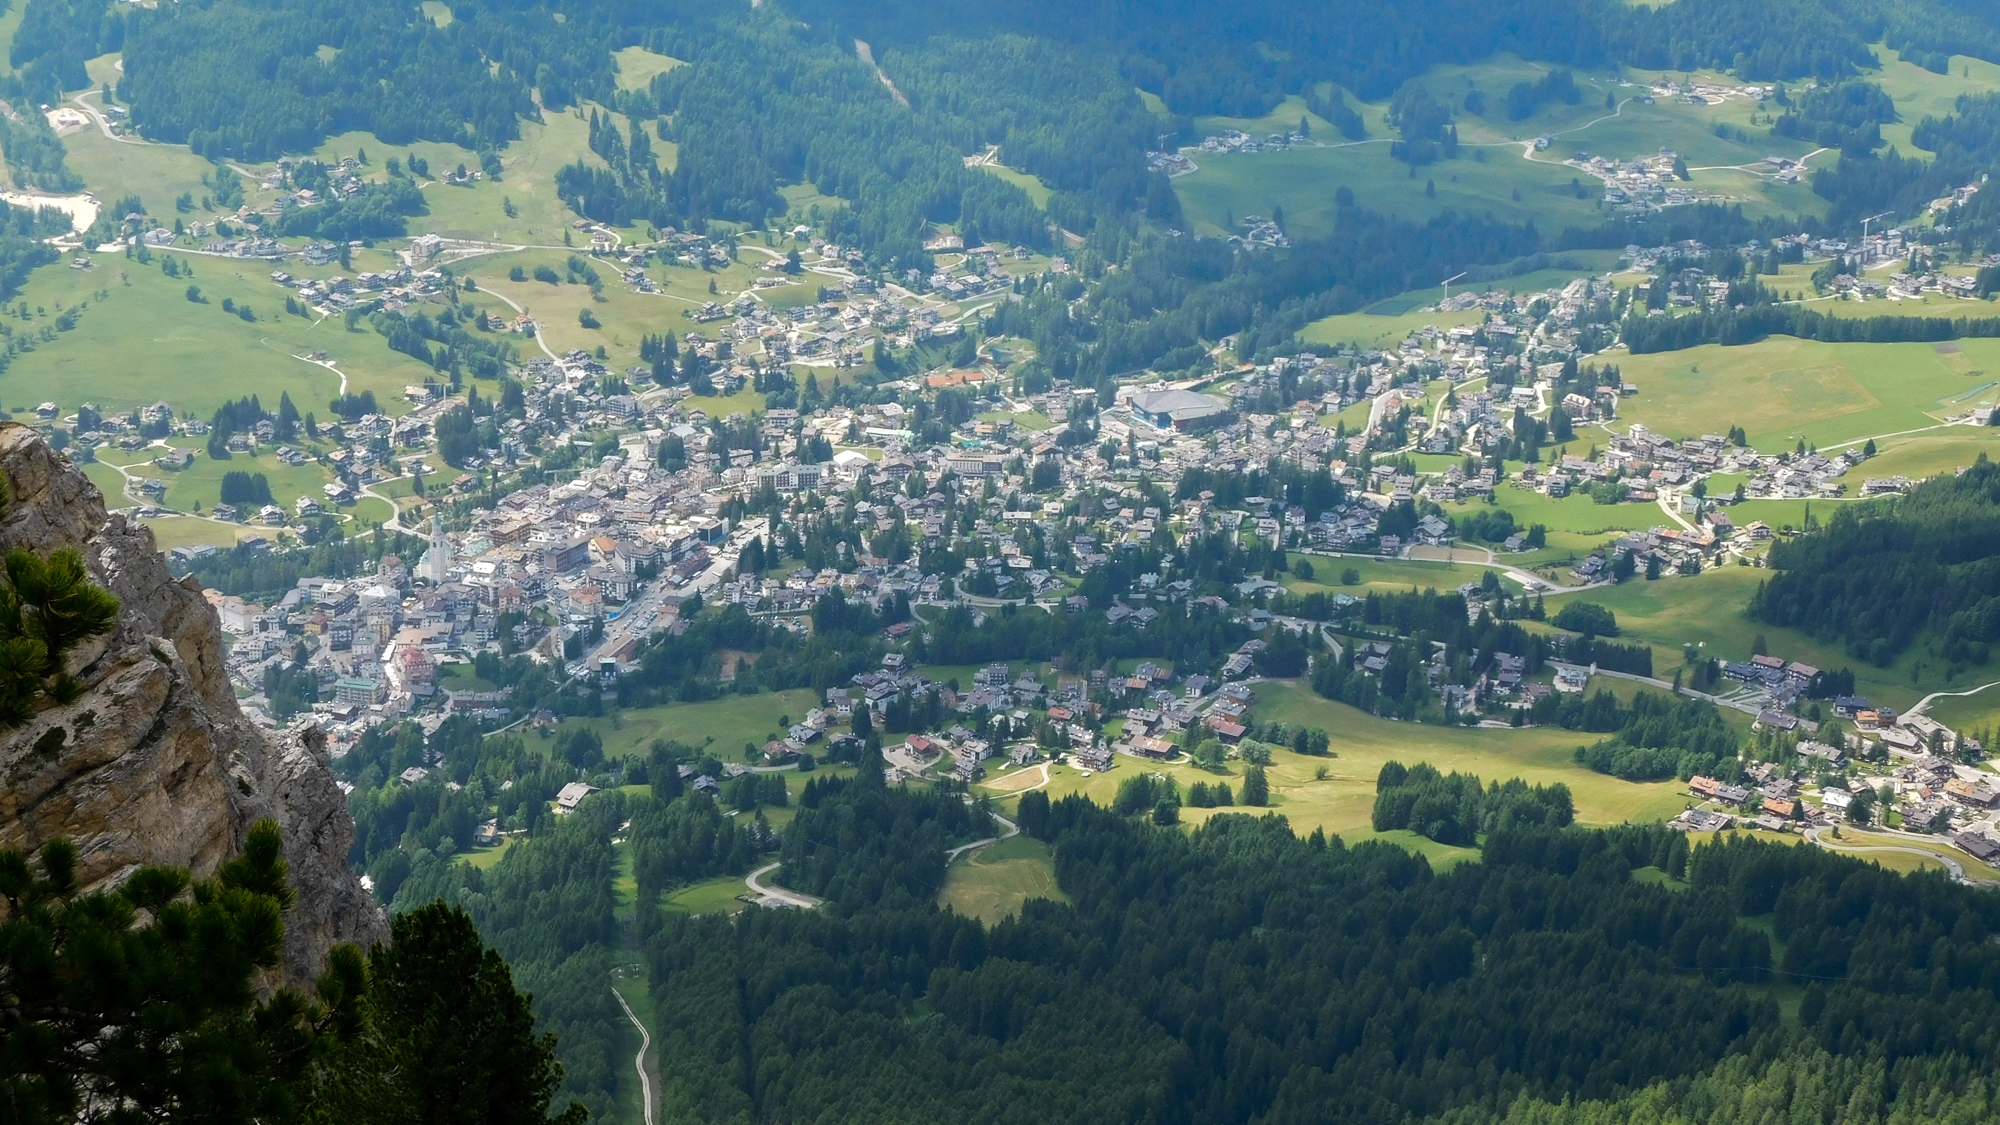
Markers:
point(155, 763)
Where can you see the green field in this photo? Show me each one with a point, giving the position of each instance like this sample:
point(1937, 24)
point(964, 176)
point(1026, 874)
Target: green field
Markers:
point(711, 896)
point(1975, 712)
point(1364, 742)
point(1342, 803)
point(1387, 322)
point(484, 858)
point(727, 722)
point(1490, 174)
point(139, 340)
point(637, 66)
point(1782, 389)
point(1033, 185)
point(1707, 611)
point(1927, 455)
point(992, 882)
point(1919, 93)
point(188, 531)
point(623, 314)
point(478, 211)
point(201, 483)
point(1856, 844)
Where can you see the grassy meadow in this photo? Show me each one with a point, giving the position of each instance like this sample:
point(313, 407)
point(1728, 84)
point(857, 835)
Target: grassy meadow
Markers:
point(727, 723)
point(1491, 174)
point(1342, 802)
point(1782, 389)
point(138, 339)
point(991, 883)
point(1707, 611)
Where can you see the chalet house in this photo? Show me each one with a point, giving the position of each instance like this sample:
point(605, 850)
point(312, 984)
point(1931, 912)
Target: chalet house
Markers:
point(571, 796)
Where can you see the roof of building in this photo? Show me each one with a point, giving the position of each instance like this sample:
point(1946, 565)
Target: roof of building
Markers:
point(1176, 404)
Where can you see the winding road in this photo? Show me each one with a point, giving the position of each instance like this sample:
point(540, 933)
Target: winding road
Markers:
point(790, 898)
point(1924, 704)
point(807, 902)
point(1956, 868)
point(639, 1061)
point(509, 302)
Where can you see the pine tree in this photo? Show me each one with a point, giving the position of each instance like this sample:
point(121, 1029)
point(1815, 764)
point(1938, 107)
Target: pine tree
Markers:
point(1256, 787)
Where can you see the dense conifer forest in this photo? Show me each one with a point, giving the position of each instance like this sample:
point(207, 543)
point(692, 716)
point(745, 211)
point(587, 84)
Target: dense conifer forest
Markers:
point(1242, 973)
point(1882, 575)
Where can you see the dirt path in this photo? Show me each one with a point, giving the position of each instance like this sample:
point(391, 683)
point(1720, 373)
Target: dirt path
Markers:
point(867, 55)
point(1924, 704)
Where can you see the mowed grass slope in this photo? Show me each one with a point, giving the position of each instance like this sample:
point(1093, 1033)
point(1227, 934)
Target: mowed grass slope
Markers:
point(1707, 611)
point(1920, 93)
point(1783, 389)
point(726, 723)
point(1491, 174)
point(141, 341)
point(1343, 801)
point(992, 882)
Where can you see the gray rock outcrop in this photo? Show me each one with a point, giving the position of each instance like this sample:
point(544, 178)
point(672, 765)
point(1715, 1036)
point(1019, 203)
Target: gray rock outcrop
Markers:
point(155, 763)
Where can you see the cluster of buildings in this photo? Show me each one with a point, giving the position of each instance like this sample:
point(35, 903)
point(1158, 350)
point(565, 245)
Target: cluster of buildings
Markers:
point(1646, 183)
point(1899, 766)
point(1236, 140)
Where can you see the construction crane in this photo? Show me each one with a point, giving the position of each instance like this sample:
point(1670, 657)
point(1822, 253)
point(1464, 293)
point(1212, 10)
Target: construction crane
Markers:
point(1447, 285)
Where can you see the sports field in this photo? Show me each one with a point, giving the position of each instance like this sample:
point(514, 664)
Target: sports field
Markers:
point(1783, 389)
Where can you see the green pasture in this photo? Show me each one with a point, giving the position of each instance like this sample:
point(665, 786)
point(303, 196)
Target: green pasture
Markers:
point(1977, 711)
point(1783, 389)
point(140, 341)
point(1492, 174)
point(1342, 801)
point(1707, 611)
point(485, 858)
point(1857, 843)
point(115, 168)
point(637, 67)
point(711, 896)
point(727, 723)
point(624, 315)
point(10, 22)
point(1919, 93)
point(202, 482)
point(1033, 185)
point(188, 531)
point(991, 883)
point(1303, 181)
point(1363, 743)
point(1387, 322)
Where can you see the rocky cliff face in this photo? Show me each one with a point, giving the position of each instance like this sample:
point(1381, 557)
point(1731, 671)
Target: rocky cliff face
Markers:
point(155, 763)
